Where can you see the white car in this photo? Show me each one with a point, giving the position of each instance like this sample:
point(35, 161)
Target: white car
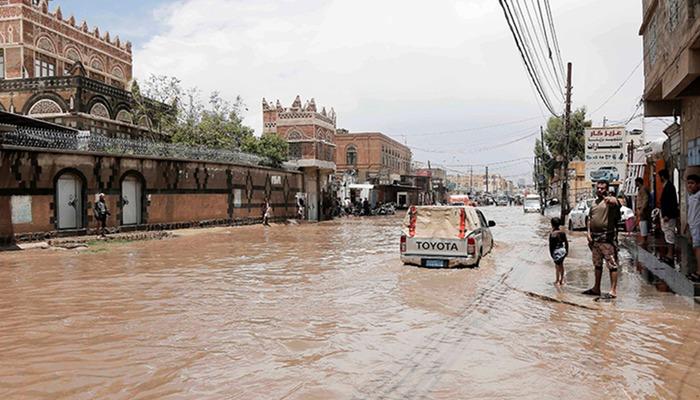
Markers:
point(531, 203)
point(445, 237)
point(578, 217)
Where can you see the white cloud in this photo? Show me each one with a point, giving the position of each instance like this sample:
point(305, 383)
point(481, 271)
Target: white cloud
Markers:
point(403, 67)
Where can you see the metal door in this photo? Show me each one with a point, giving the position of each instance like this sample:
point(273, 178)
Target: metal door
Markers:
point(131, 201)
point(69, 202)
point(312, 207)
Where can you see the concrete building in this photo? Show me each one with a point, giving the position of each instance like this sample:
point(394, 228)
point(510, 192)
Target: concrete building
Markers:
point(311, 135)
point(671, 35)
point(60, 70)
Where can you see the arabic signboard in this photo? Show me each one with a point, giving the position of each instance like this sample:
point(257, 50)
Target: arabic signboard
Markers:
point(606, 154)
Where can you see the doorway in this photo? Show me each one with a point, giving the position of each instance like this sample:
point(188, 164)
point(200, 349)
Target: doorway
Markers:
point(132, 193)
point(69, 208)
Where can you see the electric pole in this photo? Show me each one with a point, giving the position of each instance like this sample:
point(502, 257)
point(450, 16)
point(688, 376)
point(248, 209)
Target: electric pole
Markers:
point(567, 132)
point(471, 180)
point(540, 175)
point(487, 179)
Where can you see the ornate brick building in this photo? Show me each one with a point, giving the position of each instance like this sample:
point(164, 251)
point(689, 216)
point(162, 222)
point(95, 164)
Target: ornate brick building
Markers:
point(311, 135)
point(62, 71)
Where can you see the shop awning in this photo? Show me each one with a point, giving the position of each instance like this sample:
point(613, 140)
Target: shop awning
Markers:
point(361, 186)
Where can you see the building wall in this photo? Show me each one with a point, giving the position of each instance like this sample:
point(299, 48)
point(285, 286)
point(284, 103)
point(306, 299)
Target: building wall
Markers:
point(32, 32)
point(376, 154)
point(176, 192)
point(309, 132)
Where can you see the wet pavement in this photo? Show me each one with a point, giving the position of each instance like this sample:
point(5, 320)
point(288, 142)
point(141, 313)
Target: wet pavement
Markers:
point(328, 311)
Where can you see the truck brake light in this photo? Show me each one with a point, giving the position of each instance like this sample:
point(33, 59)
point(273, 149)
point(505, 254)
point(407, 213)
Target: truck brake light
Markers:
point(403, 244)
point(471, 245)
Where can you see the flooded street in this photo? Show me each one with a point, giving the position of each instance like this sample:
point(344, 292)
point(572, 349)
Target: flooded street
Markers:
point(328, 311)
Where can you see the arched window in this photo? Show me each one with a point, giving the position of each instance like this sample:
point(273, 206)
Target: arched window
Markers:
point(294, 135)
point(97, 64)
point(72, 54)
point(125, 116)
point(45, 106)
point(99, 110)
point(44, 43)
point(351, 155)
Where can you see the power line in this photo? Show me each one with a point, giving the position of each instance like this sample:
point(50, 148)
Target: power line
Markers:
point(541, 57)
point(619, 87)
point(509, 18)
point(470, 129)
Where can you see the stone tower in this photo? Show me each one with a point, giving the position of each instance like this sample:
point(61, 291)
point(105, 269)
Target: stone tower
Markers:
point(311, 137)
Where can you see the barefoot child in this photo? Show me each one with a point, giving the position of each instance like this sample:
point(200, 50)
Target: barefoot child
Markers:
point(558, 249)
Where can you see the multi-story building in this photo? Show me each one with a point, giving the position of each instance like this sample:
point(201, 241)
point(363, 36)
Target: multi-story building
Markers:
point(311, 135)
point(60, 70)
point(671, 35)
point(372, 156)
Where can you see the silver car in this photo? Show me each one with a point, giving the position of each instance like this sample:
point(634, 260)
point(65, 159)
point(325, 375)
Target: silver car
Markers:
point(578, 217)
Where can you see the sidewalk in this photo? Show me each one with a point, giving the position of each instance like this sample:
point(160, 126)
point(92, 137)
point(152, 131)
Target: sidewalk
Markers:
point(675, 276)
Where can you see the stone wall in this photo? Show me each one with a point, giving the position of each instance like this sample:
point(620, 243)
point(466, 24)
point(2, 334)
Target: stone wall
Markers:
point(175, 193)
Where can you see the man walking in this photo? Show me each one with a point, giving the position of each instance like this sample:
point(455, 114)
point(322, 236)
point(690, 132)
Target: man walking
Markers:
point(669, 213)
point(693, 185)
point(602, 231)
point(101, 213)
point(267, 212)
point(642, 211)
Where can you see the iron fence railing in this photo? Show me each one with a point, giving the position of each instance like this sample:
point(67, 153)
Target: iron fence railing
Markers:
point(86, 141)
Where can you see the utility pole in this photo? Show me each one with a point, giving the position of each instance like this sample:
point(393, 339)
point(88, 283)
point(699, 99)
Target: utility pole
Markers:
point(540, 175)
point(567, 132)
point(471, 180)
point(487, 179)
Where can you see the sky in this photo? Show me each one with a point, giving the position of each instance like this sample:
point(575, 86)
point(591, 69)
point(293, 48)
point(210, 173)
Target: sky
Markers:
point(442, 76)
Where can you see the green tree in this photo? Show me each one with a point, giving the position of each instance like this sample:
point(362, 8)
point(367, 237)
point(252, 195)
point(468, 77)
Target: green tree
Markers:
point(188, 120)
point(555, 148)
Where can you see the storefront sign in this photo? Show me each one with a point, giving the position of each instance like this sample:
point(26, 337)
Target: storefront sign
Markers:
point(606, 154)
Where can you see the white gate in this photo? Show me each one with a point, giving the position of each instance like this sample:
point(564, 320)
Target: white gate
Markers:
point(131, 201)
point(69, 202)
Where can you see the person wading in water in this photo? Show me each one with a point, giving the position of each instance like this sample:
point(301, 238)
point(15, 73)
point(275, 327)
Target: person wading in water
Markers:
point(602, 231)
point(101, 213)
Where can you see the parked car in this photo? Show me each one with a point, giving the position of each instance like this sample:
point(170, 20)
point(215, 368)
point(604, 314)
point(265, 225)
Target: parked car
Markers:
point(532, 203)
point(578, 217)
point(607, 174)
point(502, 201)
point(445, 237)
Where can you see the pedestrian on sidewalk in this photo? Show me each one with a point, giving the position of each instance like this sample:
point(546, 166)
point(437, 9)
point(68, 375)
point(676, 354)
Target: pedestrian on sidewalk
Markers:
point(693, 186)
point(642, 211)
point(267, 213)
point(101, 213)
point(300, 208)
point(602, 232)
point(669, 214)
point(558, 249)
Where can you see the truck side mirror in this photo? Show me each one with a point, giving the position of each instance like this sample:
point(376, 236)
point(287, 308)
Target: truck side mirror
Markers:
point(492, 224)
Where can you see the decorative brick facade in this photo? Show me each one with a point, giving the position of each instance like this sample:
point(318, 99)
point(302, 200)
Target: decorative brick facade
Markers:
point(310, 133)
point(62, 71)
point(311, 137)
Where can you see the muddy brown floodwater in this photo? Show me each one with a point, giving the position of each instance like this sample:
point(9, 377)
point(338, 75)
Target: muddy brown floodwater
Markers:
point(327, 311)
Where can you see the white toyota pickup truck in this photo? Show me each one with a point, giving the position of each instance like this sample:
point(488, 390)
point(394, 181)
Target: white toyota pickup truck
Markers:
point(445, 236)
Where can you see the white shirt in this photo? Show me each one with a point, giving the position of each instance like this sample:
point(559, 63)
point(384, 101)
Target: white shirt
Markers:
point(694, 210)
